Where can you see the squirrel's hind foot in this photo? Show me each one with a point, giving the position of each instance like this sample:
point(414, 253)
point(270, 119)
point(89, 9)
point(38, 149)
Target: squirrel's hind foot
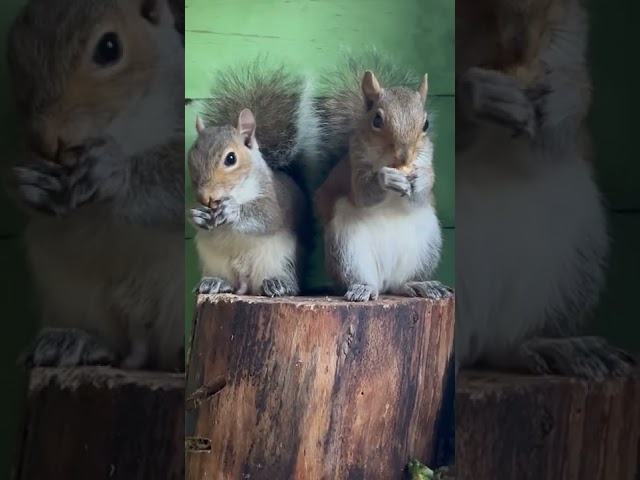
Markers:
point(361, 293)
point(591, 358)
point(278, 287)
point(213, 285)
point(66, 347)
point(433, 290)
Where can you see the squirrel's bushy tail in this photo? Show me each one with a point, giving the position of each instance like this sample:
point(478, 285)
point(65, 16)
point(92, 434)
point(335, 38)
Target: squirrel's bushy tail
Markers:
point(281, 102)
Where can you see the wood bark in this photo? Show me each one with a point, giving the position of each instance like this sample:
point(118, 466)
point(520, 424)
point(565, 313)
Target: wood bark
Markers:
point(546, 428)
point(314, 388)
point(94, 423)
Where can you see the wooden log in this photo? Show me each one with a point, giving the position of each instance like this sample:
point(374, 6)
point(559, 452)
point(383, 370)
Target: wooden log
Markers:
point(102, 423)
point(314, 388)
point(546, 428)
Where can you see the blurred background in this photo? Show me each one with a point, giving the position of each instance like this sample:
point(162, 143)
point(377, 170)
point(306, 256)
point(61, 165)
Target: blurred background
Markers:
point(307, 35)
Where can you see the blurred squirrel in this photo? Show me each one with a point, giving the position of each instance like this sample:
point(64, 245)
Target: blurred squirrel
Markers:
point(251, 217)
point(376, 205)
point(532, 239)
point(100, 85)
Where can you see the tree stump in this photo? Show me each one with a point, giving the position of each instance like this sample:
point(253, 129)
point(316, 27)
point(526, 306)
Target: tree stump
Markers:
point(95, 423)
point(546, 428)
point(314, 388)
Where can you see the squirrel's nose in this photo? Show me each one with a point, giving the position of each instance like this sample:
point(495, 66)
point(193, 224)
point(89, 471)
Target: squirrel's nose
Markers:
point(45, 141)
point(400, 158)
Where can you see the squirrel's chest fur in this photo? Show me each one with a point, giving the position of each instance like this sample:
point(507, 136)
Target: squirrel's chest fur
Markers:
point(115, 279)
point(237, 257)
point(385, 245)
point(530, 248)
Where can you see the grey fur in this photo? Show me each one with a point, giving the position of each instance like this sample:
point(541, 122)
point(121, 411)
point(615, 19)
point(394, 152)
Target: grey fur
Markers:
point(367, 188)
point(273, 95)
point(42, 27)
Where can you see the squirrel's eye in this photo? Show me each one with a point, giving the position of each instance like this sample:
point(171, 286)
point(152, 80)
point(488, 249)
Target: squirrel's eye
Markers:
point(108, 50)
point(425, 127)
point(377, 121)
point(230, 160)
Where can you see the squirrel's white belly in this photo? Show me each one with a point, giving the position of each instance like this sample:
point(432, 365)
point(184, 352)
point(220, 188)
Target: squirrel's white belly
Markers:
point(387, 245)
point(120, 284)
point(529, 254)
point(252, 258)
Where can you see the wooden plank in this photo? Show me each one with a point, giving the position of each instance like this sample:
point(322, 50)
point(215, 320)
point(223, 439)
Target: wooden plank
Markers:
point(420, 34)
point(531, 427)
point(105, 422)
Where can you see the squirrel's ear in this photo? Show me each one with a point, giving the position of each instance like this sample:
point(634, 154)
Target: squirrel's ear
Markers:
point(371, 89)
point(150, 9)
point(424, 86)
point(199, 125)
point(247, 127)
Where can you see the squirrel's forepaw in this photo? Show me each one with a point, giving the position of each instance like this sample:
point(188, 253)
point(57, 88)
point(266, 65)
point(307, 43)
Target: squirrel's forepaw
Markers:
point(361, 293)
point(394, 180)
point(494, 96)
point(41, 187)
point(66, 347)
point(587, 357)
point(100, 169)
point(430, 289)
point(213, 285)
point(202, 217)
point(420, 181)
point(225, 212)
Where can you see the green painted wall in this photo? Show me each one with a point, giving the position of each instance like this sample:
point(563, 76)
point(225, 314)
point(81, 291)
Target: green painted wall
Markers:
point(308, 36)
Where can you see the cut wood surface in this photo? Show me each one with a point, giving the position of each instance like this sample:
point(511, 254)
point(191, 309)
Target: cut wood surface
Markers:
point(314, 388)
point(95, 423)
point(546, 427)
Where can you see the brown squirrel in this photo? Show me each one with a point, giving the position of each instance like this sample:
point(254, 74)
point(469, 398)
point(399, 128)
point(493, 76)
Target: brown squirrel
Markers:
point(376, 206)
point(100, 86)
point(528, 210)
point(251, 213)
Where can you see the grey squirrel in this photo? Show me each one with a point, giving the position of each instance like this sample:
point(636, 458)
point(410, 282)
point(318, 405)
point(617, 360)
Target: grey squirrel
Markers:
point(99, 85)
point(251, 213)
point(532, 233)
point(375, 168)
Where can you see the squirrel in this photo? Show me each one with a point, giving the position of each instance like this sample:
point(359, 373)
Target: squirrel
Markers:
point(532, 241)
point(100, 88)
point(251, 215)
point(376, 205)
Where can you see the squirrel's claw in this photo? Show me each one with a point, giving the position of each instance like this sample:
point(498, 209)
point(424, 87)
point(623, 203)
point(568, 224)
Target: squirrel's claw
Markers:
point(213, 285)
point(202, 217)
